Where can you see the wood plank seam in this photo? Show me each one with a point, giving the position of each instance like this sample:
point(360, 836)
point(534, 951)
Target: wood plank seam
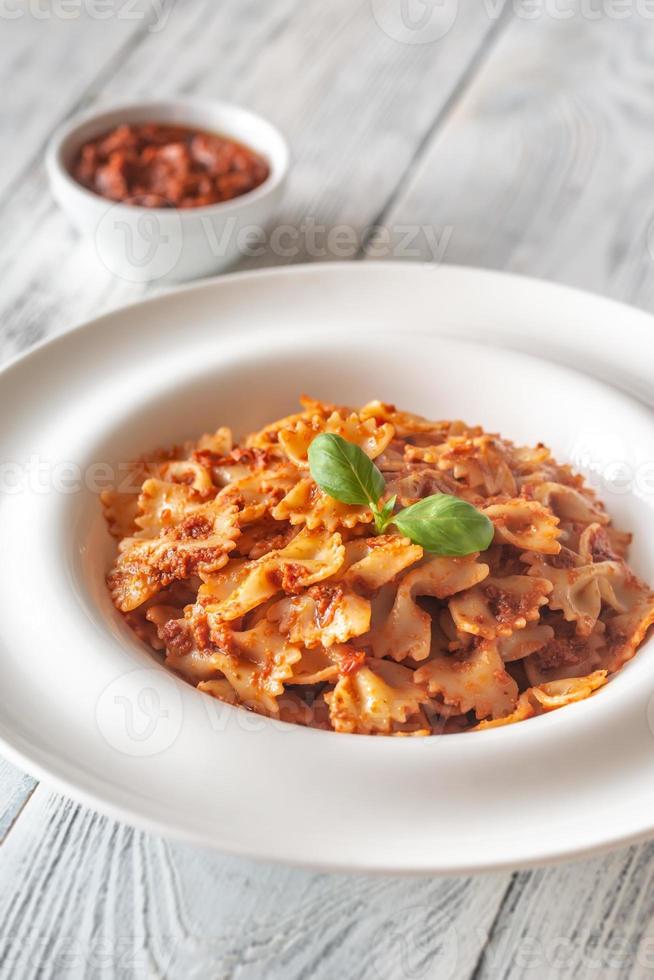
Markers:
point(467, 78)
point(477, 971)
point(18, 811)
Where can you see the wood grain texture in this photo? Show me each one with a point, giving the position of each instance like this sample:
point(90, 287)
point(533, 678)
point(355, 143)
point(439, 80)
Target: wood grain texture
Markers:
point(590, 919)
point(49, 62)
point(89, 893)
point(342, 90)
point(15, 789)
point(545, 163)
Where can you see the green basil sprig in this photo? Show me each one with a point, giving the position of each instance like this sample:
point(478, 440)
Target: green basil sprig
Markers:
point(445, 525)
point(442, 524)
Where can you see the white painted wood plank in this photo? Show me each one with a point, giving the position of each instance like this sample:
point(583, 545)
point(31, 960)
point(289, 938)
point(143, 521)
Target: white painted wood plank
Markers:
point(545, 165)
point(587, 920)
point(354, 103)
point(88, 893)
point(51, 53)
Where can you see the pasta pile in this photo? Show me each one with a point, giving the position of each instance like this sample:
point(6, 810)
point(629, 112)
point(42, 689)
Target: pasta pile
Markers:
point(263, 591)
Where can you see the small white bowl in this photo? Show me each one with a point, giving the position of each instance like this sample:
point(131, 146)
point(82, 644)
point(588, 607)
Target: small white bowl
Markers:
point(169, 244)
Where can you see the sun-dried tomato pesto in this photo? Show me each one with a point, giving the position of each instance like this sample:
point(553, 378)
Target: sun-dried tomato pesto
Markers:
point(155, 165)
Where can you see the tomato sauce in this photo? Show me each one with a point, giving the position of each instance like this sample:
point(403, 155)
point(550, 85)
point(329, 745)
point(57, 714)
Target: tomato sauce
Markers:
point(155, 165)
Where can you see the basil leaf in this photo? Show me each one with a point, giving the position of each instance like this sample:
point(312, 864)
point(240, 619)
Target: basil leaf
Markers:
point(445, 525)
point(344, 471)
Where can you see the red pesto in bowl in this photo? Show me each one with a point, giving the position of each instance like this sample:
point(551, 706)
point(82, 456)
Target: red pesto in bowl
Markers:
point(156, 165)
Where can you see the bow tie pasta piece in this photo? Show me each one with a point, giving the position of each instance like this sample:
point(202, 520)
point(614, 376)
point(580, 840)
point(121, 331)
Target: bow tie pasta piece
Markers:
point(499, 606)
point(315, 667)
point(268, 437)
point(529, 461)
point(413, 482)
point(178, 464)
point(326, 664)
point(236, 465)
point(263, 536)
point(626, 631)
point(569, 504)
point(580, 592)
point(375, 698)
point(190, 473)
point(555, 694)
point(162, 505)
point(407, 630)
point(187, 644)
point(220, 689)
point(309, 558)
point(290, 708)
point(524, 642)
point(567, 654)
point(219, 443)
point(370, 437)
point(378, 561)
point(120, 511)
point(200, 543)
point(601, 543)
point(548, 697)
point(478, 462)
point(121, 505)
point(165, 500)
point(256, 663)
point(305, 503)
point(148, 620)
point(405, 423)
point(525, 524)
point(256, 494)
point(476, 681)
point(325, 614)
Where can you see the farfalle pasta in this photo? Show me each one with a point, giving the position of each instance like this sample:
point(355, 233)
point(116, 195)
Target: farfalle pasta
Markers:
point(262, 590)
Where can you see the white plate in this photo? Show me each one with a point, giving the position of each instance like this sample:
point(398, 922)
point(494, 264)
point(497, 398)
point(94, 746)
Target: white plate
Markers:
point(83, 705)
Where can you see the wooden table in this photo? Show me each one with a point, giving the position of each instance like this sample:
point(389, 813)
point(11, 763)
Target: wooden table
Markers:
point(520, 138)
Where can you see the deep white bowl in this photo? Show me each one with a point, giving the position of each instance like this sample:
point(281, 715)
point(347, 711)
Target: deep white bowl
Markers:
point(169, 244)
